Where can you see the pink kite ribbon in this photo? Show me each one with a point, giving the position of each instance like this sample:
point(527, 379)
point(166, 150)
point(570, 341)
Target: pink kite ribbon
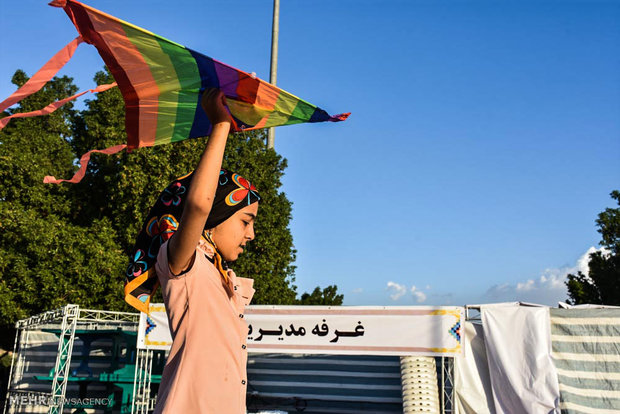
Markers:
point(47, 72)
point(35, 83)
point(54, 105)
point(79, 174)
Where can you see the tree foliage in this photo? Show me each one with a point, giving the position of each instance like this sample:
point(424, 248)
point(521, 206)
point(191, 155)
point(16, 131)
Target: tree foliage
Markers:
point(326, 296)
point(69, 243)
point(46, 259)
point(602, 284)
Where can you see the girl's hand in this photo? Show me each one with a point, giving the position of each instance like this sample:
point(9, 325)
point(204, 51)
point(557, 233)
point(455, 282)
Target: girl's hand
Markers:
point(214, 104)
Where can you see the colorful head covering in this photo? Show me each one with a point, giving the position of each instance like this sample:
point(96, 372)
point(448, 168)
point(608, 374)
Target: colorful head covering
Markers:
point(233, 193)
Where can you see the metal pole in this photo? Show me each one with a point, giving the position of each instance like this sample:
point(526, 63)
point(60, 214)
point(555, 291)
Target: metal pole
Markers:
point(273, 72)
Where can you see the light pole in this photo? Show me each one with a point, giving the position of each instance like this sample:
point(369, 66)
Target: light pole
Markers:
point(273, 72)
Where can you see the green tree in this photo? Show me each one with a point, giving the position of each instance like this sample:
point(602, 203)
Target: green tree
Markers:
point(602, 284)
point(327, 296)
point(46, 260)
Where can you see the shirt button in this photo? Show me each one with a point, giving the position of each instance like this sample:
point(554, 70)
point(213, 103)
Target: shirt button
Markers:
point(243, 346)
point(241, 315)
point(242, 382)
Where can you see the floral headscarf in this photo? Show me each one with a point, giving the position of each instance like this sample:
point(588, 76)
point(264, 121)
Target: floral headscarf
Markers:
point(233, 193)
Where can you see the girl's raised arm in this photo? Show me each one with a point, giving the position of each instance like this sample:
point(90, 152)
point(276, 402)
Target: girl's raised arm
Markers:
point(182, 244)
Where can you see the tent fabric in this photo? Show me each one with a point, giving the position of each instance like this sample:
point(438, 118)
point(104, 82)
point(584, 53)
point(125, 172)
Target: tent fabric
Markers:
point(522, 372)
point(472, 384)
point(586, 351)
point(565, 305)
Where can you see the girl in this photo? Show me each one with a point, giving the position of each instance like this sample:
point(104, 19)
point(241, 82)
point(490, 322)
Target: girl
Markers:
point(206, 368)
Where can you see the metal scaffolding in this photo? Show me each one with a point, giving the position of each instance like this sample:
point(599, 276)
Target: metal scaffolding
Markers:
point(68, 318)
point(63, 358)
point(446, 385)
point(143, 403)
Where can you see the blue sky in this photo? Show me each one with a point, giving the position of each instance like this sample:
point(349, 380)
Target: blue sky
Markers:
point(484, 137)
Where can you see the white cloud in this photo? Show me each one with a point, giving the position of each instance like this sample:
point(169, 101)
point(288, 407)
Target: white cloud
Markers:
point(418, 295)
point(358, 290)
point(548, 289)
point(529, 285)
point(584, 261)
point(397, 290)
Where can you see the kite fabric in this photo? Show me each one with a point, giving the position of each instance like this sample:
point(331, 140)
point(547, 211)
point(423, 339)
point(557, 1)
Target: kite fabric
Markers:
point(162, 84)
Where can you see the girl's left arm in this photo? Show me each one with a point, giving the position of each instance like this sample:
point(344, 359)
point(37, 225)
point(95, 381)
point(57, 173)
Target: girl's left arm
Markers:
point(182, 245)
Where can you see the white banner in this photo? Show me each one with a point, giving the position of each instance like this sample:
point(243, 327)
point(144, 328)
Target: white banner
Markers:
point(153, 330)
point(368, 330)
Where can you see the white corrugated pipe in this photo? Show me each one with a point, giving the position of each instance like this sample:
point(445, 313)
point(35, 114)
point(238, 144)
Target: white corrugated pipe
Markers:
point(418, 376)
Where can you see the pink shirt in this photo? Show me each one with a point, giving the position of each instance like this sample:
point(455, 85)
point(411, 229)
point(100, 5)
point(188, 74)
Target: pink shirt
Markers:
point(206, 368)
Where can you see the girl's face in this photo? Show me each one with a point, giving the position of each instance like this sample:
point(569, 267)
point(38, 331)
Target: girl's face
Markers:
point(231, 235)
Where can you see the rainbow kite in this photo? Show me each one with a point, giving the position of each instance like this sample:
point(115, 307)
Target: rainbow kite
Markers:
point(162, 83)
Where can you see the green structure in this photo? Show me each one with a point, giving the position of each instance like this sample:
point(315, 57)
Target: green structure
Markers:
point(121, 372)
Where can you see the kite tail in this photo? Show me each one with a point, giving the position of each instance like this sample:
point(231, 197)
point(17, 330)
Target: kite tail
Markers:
point(44, 75)
point(53, 106)
point(35, 83)
point(79, 174)
point(339, 117)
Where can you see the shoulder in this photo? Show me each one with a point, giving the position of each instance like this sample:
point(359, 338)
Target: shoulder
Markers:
point(162, 266)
